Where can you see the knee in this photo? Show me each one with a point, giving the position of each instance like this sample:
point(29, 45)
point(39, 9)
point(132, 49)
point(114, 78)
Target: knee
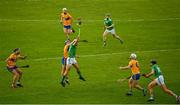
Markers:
point(16, 75)
point(149, 86)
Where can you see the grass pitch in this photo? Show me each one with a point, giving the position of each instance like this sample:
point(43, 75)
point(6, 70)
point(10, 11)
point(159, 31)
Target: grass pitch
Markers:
point(149, 28)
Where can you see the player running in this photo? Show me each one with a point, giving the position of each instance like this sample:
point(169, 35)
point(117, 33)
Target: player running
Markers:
point(158, 81)
point(133, 81)
point(64, 59)
point(71, 61)
point(109, 28)
point(13, 68)
point(66, 19)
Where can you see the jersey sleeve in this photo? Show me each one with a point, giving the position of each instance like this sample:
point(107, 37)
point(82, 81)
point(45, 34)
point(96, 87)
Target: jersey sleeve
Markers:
point(130, 64)
point(69, 16)
point(153, 68)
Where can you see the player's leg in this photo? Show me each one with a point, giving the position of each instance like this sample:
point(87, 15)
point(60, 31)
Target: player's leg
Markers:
point(70, 30)
point(64, 69)
point(116, 36)
point(160, 82)
point(130, 83)
point(68, 67)
point(64, 63)
point(76, 66)
point(151, 85)
point(66, 32)
point(67, 72)
point(18, 83)
point(15, 78)
point(136, 85)
point(166, 90)
point(105, 34)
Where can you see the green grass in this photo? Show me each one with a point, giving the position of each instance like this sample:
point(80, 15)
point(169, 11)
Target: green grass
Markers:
point(33, 26)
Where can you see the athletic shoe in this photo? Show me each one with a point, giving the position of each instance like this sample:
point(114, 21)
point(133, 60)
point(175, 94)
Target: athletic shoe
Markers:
point(151, 99)
point(67, 81)
point(104, 44)
point(129, 93)
point(63, 84)
point(178, 99)
point(144, 92)
point(81, 78)
point(19, 85)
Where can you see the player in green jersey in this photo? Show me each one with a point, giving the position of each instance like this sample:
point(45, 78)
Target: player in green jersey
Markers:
point(159, 80)
point(71, 61)
point(109, 28)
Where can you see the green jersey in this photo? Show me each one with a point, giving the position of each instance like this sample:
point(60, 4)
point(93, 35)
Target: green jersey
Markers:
point(72, 51)
point(157, 70)
point(108, 22)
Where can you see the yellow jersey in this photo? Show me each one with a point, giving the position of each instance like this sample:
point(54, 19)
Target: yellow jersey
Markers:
point(67, 19)
point(66, 48)
point(11, 60)
point(134, 65)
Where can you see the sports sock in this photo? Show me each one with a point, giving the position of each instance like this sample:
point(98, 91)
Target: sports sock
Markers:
point(151, 96)
point(18, 82)
point(64, 77)
point(79, 73)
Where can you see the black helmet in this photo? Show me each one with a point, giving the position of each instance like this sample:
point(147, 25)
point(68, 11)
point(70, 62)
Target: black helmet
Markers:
point(16, 49)
point(153, 61)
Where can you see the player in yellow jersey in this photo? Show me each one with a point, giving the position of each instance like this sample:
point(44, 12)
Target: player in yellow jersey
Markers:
point(66, 19)
point(64, 59)
point(13, 68)
point(133, 81)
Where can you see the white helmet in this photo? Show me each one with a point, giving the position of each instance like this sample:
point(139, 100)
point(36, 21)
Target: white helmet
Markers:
point(64, 9)
point(133, 55)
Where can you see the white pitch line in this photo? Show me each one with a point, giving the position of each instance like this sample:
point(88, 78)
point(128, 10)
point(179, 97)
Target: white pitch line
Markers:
point(117, 20)
point(107, 54)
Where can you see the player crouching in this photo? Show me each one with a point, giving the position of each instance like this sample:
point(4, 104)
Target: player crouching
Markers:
point(13, 68)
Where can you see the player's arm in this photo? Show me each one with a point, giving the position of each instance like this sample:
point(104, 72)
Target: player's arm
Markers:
point(7, 60)
point(22, 57)
point(125, 68)
point(110, 26)
point(61, 19)
point(75, 41)
point(71, 18)
point(149, 74)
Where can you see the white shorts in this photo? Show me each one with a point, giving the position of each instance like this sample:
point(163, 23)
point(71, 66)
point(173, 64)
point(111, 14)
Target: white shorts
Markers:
point(71, 61)
point(110, 31)
point(160, 80)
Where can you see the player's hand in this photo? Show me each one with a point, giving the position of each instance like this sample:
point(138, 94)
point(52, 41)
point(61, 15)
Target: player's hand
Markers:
point(23, 57)
point(120, 68)
point(144, 75)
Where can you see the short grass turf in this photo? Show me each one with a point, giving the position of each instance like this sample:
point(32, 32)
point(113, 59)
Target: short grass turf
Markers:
point(149, 28)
